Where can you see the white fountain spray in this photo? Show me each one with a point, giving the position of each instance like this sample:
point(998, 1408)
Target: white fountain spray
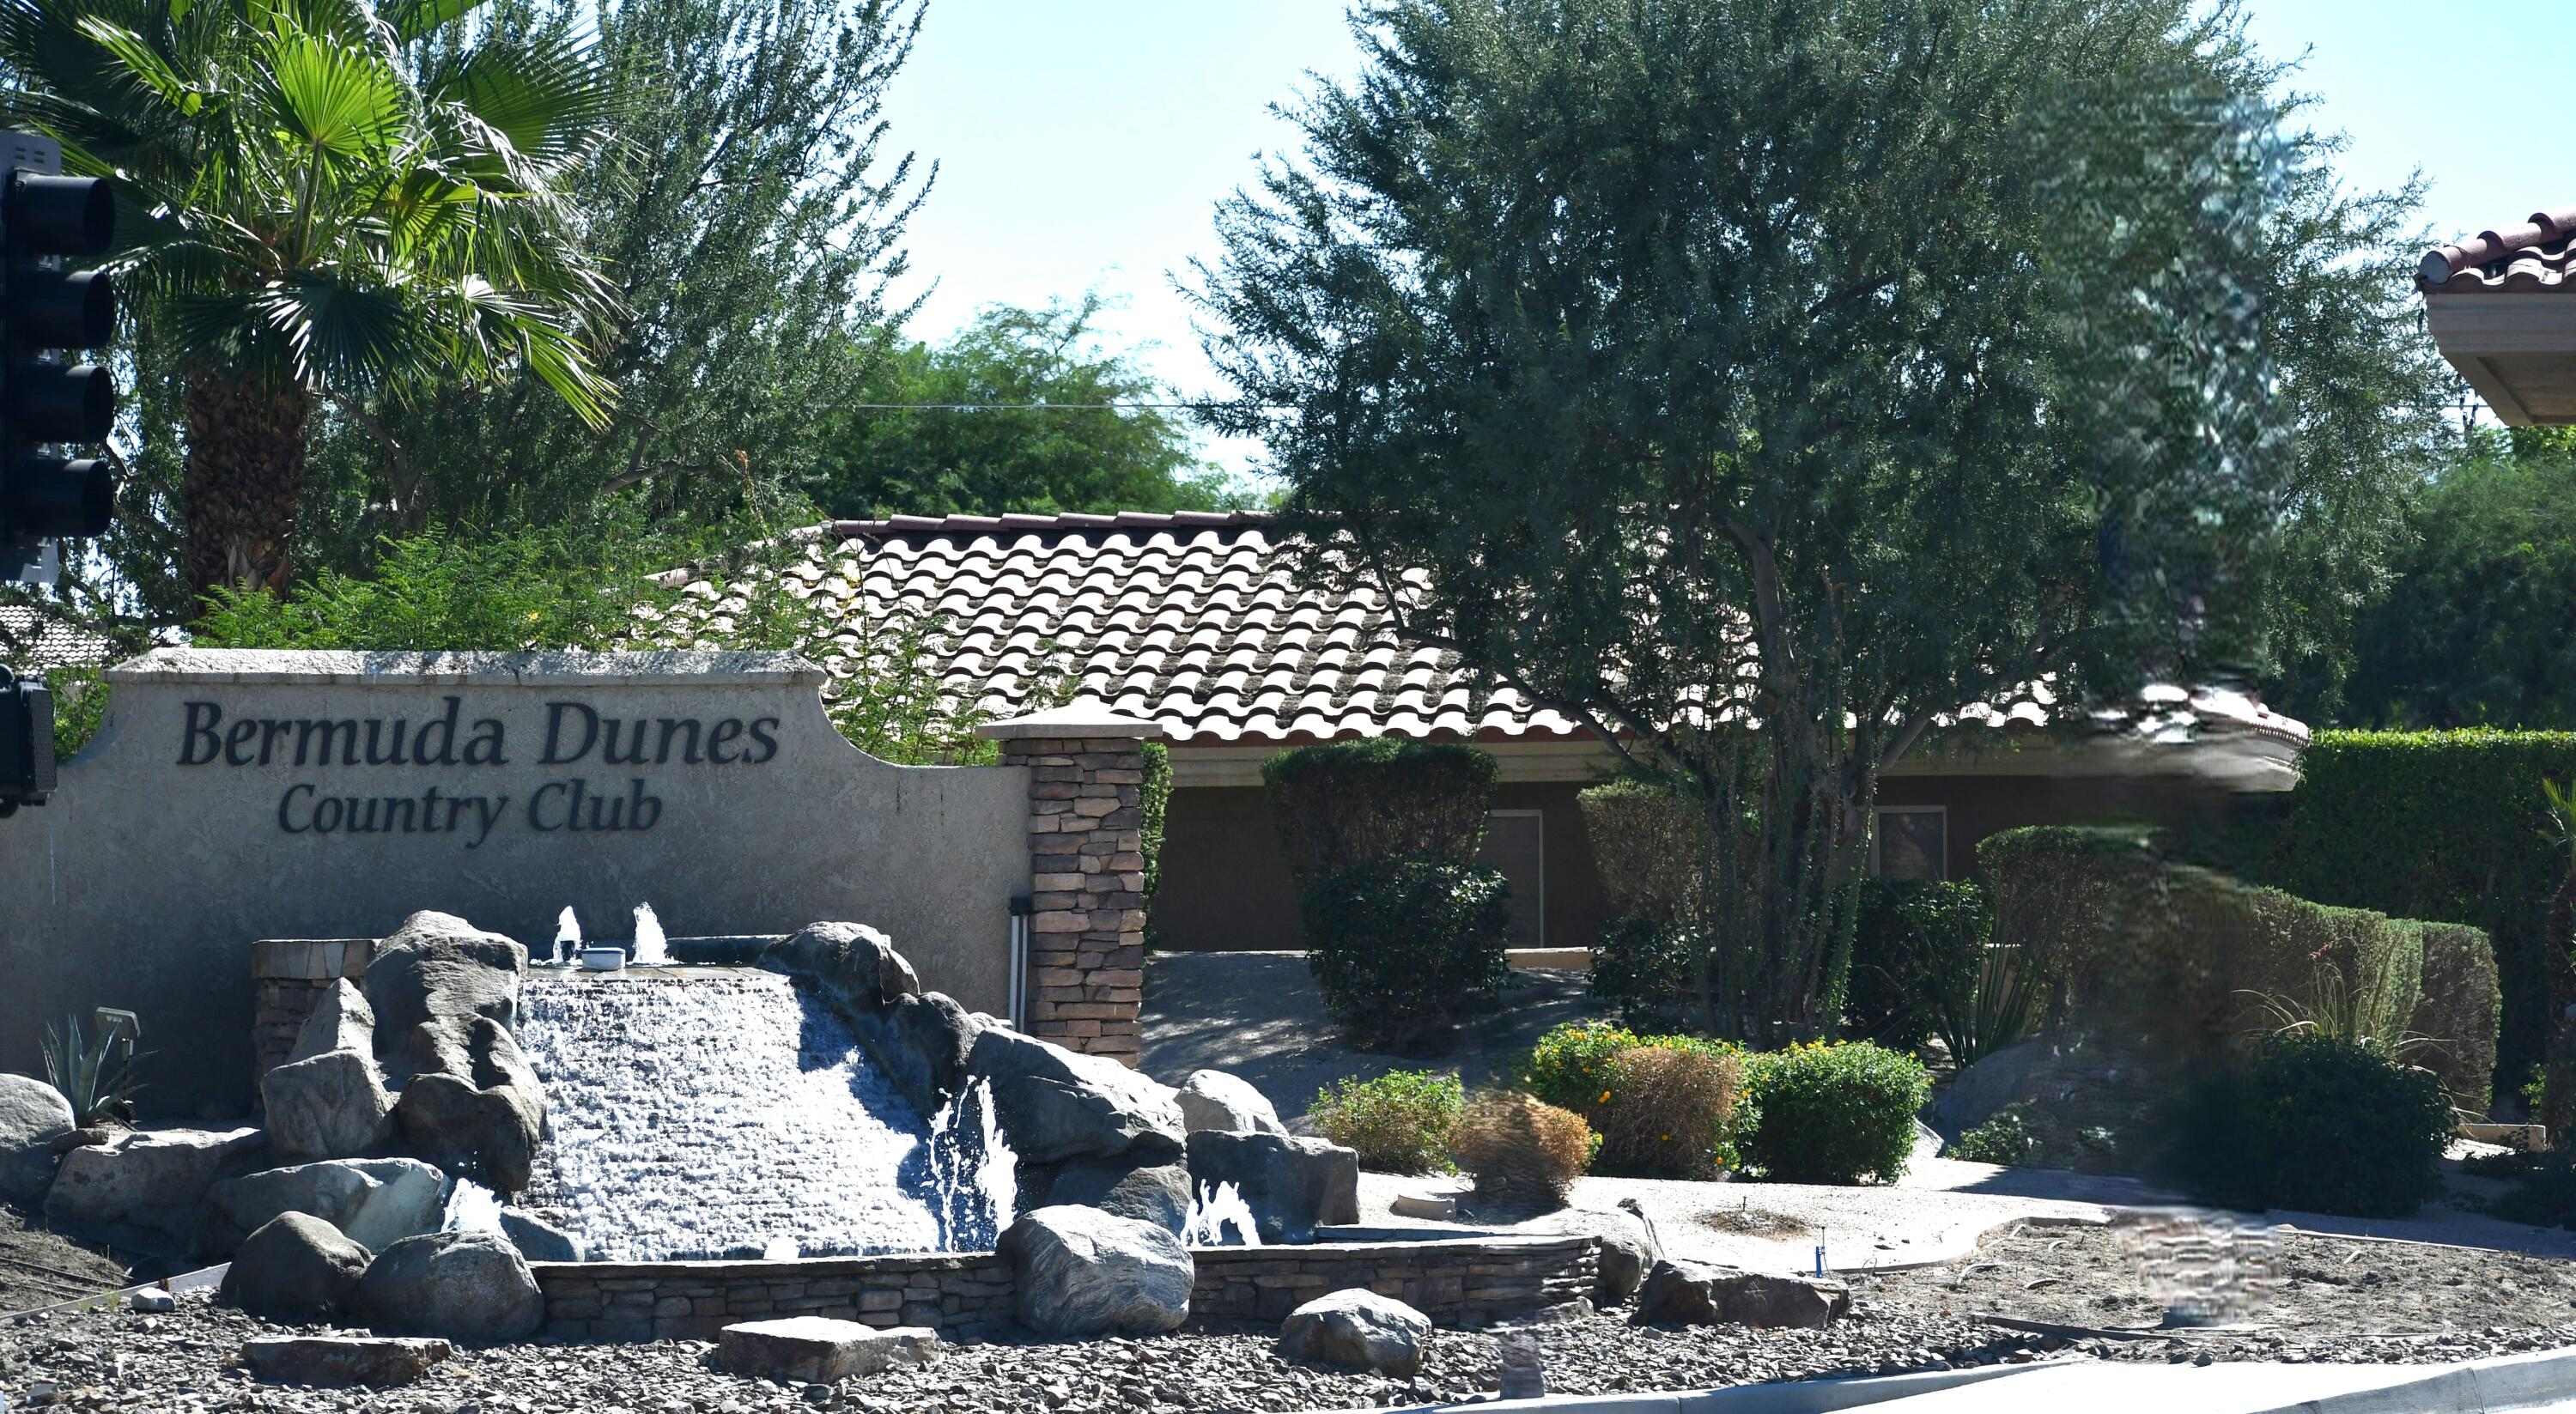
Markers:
point(650, 949)
point(974, 1176)
point(1214, 1210)
point(567, 937)
point(472, 1208)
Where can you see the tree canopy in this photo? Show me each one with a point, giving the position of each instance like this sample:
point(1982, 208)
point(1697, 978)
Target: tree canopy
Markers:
point(2476, 625)
point(1699, 365)
point(1024, 410)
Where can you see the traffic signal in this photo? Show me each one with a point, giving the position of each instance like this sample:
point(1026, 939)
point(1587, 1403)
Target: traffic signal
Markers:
point(50, 406)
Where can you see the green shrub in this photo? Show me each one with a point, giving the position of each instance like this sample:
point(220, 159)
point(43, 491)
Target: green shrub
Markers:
point(2442, 826)
point(2314, 1123)
point(1399, 1122)
point(1380, 800)
point(2458, 1014)
point(1577, 1066)
point(1915, 954)
point(1525, 1154)
point(1837, 1113)
point(1644, 966)
point(1153, 801)
point(1403, 950)
point(2004, 1139)
point(1668, 1112)
point(1646, 847)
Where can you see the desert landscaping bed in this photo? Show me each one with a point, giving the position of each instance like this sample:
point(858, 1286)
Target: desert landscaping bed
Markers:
point(2284, 1296)
point(189, 1360)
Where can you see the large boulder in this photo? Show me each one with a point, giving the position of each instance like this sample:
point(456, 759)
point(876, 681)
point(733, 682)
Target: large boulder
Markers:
point(1628, 1249)
point(820, 1349)
point(147, 1189)
point(428, 983)
point(487, 1134)
point(1082, 1272)
point(341, 1021)
point(327, 1106)
point(1705, 1294)
point(1212, 1099)
point(1055, 1105)
point(296, 1270)
point(1357, 1329)
point(537, 1239)
point(342, 1359)
point(1292, 1185)
point(373, 1202)
point(1152, 1193)
point(470, 1287)
point(853, 961)
point(33, 1117)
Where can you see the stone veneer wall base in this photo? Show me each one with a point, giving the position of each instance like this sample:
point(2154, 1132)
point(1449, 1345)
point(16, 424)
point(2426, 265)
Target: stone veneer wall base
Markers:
point(966, 1296)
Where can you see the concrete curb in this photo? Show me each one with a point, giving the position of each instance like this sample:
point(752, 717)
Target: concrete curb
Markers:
point(1788, 1397)
point(2542, 1379)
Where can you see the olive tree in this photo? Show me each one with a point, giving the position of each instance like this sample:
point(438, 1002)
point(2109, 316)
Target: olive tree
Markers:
point(1768, 383)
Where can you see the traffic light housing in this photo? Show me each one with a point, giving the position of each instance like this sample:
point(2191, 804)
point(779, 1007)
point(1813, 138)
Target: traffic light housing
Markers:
point(51, 407)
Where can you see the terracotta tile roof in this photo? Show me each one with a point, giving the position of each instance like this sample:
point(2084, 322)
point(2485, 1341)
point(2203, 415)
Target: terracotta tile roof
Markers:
point(32, 641)
point(1197, 621)
point(2535, 255)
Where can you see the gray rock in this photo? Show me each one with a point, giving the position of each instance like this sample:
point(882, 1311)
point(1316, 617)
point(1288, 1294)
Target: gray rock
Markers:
point(152, 1301)
point(537, 1239)
point(1357, 1329)
point(856, 962)
point(341, 1021)
point(1153, 1193)
point(488, 1134)
point(327, 1106)
point(1974, 1094)
point(1292, 1185)
point(1082, 1272)
point(296, 1270)
point(1212, 1099)
point(1705, 1294)
point(470, 1287)
point(374, 1202)
point(1055, 1105)
point(1628, 1249)
point(428, 983)
point(343, 1359)
point(819, 1349)
point(147, 1188)
point(34, 1118)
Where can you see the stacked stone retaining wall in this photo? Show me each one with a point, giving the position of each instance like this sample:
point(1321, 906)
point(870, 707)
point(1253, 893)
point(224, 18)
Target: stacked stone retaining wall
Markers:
point(966, 1296)
point(289, 976)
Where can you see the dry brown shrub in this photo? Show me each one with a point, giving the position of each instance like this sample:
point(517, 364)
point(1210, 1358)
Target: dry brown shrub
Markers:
point(1667, 1111)
point(1524, 1154)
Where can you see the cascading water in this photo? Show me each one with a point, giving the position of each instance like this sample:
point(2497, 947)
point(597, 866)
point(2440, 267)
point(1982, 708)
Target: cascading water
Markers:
point(734, 1114)
point(651, 950)
point(1215, 1208)
point(567, 936)
point(471, 1207)
point(974, 1176)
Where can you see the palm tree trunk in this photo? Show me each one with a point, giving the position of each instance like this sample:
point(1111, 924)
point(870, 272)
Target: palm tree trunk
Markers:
point(245, 478)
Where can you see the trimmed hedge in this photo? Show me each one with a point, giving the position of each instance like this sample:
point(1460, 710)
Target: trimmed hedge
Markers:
point(1399, 1122)
point(1402, 951)
point(1644, 966)
point(2436, 825)
point(1841, 1113)
point(1382, 799)
point(1646, 848)
point(1915, 942)
point(2187, 962)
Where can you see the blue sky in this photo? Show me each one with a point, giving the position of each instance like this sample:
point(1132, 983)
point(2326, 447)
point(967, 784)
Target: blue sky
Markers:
point(1083, 144)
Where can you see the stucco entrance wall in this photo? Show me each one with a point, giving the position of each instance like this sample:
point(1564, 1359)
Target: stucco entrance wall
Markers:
point(239, 795)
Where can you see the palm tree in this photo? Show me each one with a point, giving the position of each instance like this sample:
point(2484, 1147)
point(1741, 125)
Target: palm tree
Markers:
point(324, 201)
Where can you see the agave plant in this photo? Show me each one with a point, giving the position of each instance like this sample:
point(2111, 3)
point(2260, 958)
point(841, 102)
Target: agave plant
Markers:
point(97, 1087)
point(324, 200)
point(1997, 1009)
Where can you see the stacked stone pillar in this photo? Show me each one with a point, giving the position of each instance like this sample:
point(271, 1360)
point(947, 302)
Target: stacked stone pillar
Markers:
point(288, 977)
point(1086, 964)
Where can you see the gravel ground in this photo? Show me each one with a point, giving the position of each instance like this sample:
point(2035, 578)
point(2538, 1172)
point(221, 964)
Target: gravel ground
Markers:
point(184, 1362)
point(2260, 1294)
